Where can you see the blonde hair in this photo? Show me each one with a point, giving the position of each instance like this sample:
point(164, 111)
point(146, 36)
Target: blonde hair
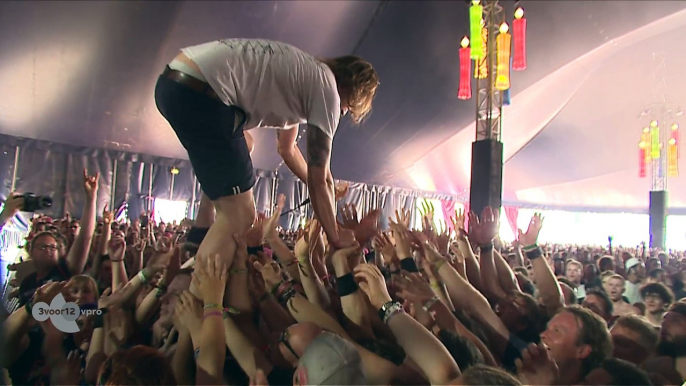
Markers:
point(84, 281)
point(357, 82)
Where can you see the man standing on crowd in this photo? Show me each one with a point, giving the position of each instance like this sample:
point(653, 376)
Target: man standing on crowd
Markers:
point(212, 92)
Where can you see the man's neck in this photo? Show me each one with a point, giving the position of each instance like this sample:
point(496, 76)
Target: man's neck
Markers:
point(570, 373)
point(633, 279)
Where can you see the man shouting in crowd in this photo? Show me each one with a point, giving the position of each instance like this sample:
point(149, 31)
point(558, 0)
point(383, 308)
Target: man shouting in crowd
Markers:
point(212, 92)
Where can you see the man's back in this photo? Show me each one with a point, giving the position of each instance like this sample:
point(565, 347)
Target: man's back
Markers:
point(276, 84)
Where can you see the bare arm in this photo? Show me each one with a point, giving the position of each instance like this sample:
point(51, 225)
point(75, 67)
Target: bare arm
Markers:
point(78, 254)
point(507, 277)
point(287, 146)
point(320, 181)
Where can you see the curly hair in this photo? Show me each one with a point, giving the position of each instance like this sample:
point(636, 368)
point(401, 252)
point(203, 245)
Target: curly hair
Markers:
point(357, 82)
point(660, 290)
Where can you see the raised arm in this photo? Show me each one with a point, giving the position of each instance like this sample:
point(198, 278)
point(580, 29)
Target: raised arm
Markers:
point(320, 181)
point(78, 254)
point(287, 146)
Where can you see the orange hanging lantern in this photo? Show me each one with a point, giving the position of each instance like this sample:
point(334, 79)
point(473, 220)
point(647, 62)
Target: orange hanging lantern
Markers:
point(465, 90)
point(519, 32)
point(481, 64)
point(673, 152)
point(502, 79)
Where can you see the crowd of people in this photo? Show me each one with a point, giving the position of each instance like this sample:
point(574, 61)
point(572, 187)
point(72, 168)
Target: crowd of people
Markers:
point(398, 306)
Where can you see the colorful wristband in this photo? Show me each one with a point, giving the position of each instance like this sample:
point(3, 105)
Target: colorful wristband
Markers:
point(212, 313)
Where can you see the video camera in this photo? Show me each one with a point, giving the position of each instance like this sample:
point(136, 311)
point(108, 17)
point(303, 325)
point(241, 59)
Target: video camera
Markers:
point(34, 203)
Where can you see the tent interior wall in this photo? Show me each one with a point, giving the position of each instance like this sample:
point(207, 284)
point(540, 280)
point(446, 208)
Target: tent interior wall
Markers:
point(56, 170)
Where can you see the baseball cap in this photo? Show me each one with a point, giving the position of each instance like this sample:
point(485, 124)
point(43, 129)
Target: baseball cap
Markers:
point(632, 262)
point(331, 360)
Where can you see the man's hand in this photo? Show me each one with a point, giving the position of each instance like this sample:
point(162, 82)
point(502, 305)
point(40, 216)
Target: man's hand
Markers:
point(12, 206)
point(90, 183)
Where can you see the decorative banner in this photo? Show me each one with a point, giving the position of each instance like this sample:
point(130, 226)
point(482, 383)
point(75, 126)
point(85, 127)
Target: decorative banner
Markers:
point(502, 80)
point(654, 140)
point(519, 31)
point(675, 135)
point(475, 16)
point(465, 90)
point(641, 160)
point(481, 66)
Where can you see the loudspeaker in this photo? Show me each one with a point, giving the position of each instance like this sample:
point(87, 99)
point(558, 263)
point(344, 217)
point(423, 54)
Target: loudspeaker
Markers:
point(486, 188)
point(658, 218)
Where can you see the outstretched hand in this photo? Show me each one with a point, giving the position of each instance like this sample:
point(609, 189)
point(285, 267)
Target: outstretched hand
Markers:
point(531, 235)
point(373, 284)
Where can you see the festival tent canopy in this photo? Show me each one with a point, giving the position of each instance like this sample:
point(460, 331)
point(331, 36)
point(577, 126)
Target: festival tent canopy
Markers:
point(83, 73)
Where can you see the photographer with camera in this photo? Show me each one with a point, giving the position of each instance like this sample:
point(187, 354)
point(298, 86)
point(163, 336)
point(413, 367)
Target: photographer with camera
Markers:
point(13, 204)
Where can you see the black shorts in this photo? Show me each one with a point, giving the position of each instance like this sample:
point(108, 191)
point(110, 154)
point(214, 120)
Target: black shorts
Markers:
point(207, 129)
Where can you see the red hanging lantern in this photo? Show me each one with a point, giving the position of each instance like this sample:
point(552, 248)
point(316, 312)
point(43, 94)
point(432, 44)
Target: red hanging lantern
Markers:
point(641, 161)
point(519, 32)
point(465, 90)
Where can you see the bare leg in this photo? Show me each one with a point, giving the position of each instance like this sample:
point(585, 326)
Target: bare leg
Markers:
point(205, 216)
point(235, 214)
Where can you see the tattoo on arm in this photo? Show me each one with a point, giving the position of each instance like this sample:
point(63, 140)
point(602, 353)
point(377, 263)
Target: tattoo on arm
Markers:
point(318, 147)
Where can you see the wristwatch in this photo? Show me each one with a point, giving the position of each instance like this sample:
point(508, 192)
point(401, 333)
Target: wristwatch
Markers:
point(389, 309)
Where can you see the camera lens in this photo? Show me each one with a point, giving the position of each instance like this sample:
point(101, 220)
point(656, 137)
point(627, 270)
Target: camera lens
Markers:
point(45, 202)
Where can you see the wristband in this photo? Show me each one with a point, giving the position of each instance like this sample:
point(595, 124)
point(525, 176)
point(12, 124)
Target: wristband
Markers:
point(212, 313)
point(196, 235)
point(389, 309)
point(530, 247)
point(346, 285)
point(486, 247)
point(287, 295)
point(409, 265)
point(232, 311)
point(534, 254)
point(440, 264)
point(429, 303)
point(436, 285)
point(160, 292)
point(276, 287)
point(98, 321)
point(254, 250)
point(141, 276)
point(116, 261)
point(238, 271)
point(212, 305)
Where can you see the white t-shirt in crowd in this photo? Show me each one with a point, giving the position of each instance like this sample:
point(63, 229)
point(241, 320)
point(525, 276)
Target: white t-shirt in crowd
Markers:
point(632, 292)
point(276, 84)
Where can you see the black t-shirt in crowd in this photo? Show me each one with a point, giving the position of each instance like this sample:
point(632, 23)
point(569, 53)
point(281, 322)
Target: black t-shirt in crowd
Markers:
point(31, 283)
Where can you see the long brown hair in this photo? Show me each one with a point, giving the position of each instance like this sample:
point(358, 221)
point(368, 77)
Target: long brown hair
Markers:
point(140, 365)
point(357, 82)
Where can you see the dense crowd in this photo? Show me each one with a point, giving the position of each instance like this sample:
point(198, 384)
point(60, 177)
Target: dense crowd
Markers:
point(397, 306)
